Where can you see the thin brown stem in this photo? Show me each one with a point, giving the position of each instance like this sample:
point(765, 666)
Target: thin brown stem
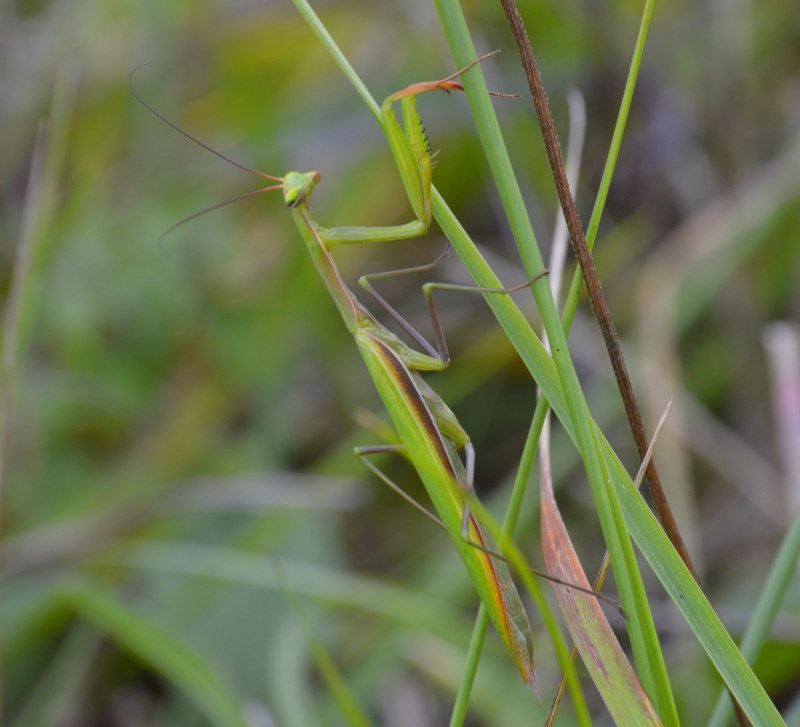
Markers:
point(596, 296)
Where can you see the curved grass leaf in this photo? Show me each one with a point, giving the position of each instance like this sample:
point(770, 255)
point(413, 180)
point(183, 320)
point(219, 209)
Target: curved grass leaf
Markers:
point(599, 648)
point(156, 648)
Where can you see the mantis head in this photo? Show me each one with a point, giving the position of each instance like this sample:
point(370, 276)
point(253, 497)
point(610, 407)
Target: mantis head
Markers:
point(297, 187)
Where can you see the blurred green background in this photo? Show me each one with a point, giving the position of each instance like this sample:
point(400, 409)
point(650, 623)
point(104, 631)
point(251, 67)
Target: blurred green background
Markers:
point(183, 415)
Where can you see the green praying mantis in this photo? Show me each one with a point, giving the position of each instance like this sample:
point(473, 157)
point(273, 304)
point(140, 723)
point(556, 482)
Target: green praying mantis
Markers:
point(430, 435)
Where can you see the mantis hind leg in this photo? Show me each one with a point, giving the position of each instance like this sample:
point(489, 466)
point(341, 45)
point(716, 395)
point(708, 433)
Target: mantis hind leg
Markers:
point(364, 452)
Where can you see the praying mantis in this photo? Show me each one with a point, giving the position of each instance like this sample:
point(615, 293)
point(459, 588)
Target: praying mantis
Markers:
point(431, 436)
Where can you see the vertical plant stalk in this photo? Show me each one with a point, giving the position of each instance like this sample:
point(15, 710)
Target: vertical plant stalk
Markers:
point(782, 343)
point(11, 324)
point(593, 285)
point(40, 195)
point(11, 317)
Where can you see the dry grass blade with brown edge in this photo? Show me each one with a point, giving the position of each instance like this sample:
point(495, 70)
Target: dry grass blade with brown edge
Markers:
point(594, 638)
point(603, 571)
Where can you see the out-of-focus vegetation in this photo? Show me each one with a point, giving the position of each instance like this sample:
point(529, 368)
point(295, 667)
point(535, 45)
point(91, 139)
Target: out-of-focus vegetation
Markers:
point(183, 415)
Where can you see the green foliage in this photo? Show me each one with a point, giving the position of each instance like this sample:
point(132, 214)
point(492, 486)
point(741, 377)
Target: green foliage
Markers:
point(180, 416)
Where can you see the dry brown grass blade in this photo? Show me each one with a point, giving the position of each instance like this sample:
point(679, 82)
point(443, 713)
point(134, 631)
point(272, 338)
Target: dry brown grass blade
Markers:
point(603, 571)
point(594, 638)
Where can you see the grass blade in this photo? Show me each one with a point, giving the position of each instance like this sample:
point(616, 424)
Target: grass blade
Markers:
point(598, 646)
point(158, 649)
point(329, 671)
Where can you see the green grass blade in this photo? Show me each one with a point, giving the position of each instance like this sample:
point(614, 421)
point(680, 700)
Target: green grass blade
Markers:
point(158, 649)
point(289, 688)
point(571, 301)
point(38, 213)
point(314, 22)
point(329, 671)
point(780, 575)
point(619, 127)
point(692, 603)
point(337, 588)
point(641, 522)
point(461, 704)
point(66, 670)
